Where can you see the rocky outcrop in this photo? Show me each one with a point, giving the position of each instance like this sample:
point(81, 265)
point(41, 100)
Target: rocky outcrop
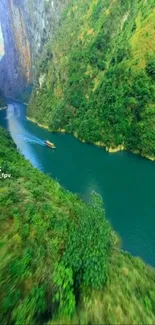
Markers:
point(26, 26)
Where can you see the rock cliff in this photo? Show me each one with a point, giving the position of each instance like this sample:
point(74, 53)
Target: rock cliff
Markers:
point(26, 26)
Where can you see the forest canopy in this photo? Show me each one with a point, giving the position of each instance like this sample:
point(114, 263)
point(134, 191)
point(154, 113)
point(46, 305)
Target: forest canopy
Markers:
point(98, 75)
point(60, 262)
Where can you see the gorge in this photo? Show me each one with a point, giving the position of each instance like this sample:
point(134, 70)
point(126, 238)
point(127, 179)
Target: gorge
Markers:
point(94, 78)
point(26, 28)
point(85, 68)
point(56, 247)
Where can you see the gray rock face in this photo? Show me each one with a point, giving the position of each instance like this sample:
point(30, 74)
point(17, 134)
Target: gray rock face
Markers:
point(26, 27)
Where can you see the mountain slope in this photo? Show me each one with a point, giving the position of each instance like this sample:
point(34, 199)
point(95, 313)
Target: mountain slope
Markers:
point(97, 78)
point(2, 100)
point(58, 258)
point(42, 265)
point(26, 26)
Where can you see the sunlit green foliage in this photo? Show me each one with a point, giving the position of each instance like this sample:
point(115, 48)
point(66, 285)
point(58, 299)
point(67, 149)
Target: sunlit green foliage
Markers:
point(86, 252)
point(59, 261)
point(99, 75)
point(52, 243)
point(128, 298)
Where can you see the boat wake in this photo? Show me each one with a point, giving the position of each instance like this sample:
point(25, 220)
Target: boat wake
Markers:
point(31, 139)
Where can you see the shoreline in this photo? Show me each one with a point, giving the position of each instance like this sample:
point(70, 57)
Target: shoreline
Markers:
point(98, 144)
point(17, 100)
point(1, 108)
point(35, 122)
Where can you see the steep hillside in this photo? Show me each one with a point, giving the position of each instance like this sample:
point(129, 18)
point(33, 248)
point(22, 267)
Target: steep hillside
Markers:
point(2, 100)
point(97, 79)
point(42, 265)
point(1, 44)
point(26, 26)
point(59, 261)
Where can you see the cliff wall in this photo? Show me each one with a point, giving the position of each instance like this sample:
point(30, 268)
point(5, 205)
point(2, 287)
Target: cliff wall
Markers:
point(26, 27)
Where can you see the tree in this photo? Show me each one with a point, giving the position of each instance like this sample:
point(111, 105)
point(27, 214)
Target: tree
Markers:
point(89, 245)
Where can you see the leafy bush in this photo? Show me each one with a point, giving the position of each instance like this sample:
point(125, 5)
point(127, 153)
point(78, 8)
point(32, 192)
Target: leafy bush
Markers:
point(151, 68)
point(101, 65)
point(53, 243)
point(64, 286)
point(89, 245)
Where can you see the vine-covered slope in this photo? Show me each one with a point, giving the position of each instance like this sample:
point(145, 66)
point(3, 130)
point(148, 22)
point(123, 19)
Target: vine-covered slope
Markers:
point(97, 78)
point(59, 261)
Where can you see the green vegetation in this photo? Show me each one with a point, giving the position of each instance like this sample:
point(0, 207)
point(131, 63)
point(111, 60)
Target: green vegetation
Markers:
point(24, 96)
point(51, 243)
point(128, 298)
point(97, 79)
point(2, 100)
point(59, 259)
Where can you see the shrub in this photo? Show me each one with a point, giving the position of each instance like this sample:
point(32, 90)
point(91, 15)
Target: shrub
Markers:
point(89, 245)
point(151, 68)
point(101, 65)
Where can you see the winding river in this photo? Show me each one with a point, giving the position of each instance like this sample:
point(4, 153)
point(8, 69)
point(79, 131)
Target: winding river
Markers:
point(125, 181)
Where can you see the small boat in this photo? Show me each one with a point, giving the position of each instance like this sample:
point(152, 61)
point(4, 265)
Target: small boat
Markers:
point(50, 144)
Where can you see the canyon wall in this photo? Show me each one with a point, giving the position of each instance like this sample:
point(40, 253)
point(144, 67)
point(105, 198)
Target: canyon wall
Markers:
point(26, 26)
point(98, 78)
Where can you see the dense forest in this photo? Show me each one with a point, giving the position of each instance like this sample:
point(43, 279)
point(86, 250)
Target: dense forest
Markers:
point(97, 79)
point(60, 261)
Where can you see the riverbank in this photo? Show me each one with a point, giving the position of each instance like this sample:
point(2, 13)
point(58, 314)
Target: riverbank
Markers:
point(98, 144)
point(135, 152)
point(45, 221)
point(35, 122)
point(1, 108)
point(17, 100)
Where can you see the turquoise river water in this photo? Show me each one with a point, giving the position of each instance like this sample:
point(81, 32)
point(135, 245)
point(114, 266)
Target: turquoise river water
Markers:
point(125, 181)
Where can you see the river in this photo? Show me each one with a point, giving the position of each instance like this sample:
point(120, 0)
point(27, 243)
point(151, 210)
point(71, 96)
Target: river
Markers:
point(125, 181)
